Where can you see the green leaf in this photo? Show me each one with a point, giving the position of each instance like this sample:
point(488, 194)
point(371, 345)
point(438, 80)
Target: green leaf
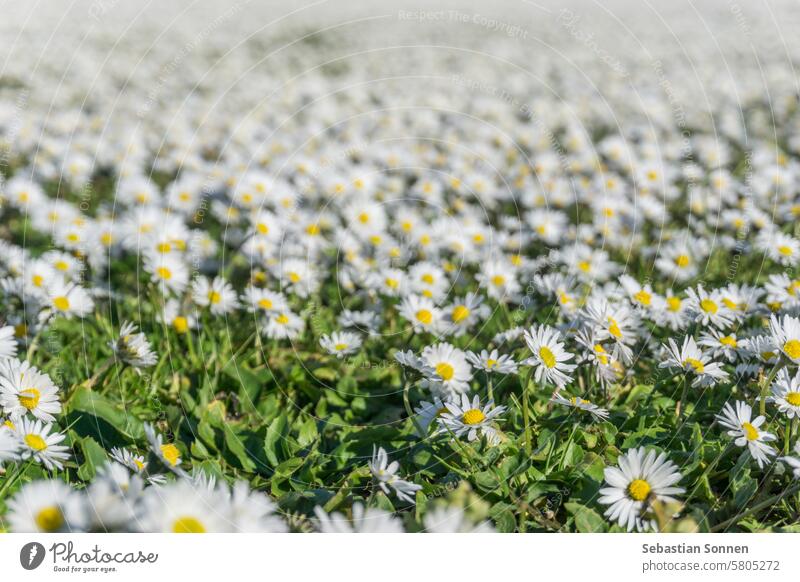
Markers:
point(273, 441)
point(94, 457)
point(235, 444)
point(587, 520)
point(84, 400)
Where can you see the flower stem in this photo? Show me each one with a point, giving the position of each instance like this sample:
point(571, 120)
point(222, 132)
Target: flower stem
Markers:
point(762, 405)
point(526, 414)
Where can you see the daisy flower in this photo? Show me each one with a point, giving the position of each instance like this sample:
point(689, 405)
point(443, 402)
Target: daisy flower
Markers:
point(24, 389)
point(168, 272)
point(284, 325)
point(421, 312)
point(217, 295)
point(173, 316)
point(724, 345)
point(369, 520)
point(470, 418)
point(499, 279)
point(341, 343)
point(786, 335)
point(689, 358)
point(68, 300)
point(549, 356)
point(133, 348)
point(180, 507)
point(493, 362)
point(263, 300)
point(135, 463)
point(446, 369)
point(37, 442)
point(47, 506)
point(167, 453)
point(582, 404)
point(385, 474)
point(639, 477)
point(786, 393)
point(747, 432)
point(464, 313)
point(708, 308)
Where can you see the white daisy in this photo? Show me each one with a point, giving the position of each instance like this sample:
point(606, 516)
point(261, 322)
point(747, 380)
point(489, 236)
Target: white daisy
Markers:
point(639, 478)
point(47, 506)
point(24, 389)
point(385, 474)
point(786, 335)
point(691, 359)
point(370, 520)
point(133, 348)
point(492, 362)
point(549, 356)
point(446, 369)
point(582, 404)
point(217, 295)
point(786, 393)
point(341, 343)
point(470, 418)
point(747, 432)
point(37, 442)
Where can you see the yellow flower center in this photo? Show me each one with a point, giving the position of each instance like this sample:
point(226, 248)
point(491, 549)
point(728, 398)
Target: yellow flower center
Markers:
point(265, 303)
point(61, 303)
point(498, 280)
point(682, 261)
point(139, 464)
point(171, 453)
point(312, 229)
point(750, 431)
point(392, 283)
point(445, 371)
point(37, 280)
point(709, 306)
point(643, 297)
point(427, 278)
point(294, 277)
point(792, 349)
point(639, 489)
point(214, 297)
point(785, 251)
point(188, 525)
point(262, 228)
point(29, 398)
point(490, 363)
point(181, 324)
point(49, 519)
point(363, 218)
point(584, 266)
point(164, 247)
point(673, 303)
point(473, 416)
point(460, 313)
point(730, 303)
point(613, 328)
point(547, 357)
point(728, 340)
point(35, 442)
point(340, 347)
point(283, 319)
point(696, 364)
point(424, 316)
point(164, 273)
point(793, 398)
